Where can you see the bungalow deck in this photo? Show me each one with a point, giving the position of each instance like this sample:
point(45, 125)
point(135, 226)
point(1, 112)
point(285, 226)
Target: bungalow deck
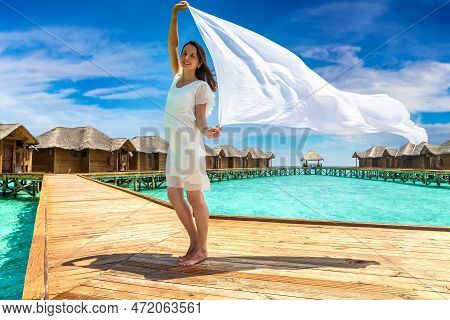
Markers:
point(94, 241)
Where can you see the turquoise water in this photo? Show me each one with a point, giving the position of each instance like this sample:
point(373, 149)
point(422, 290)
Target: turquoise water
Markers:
point(16, 231)
point(328, 198)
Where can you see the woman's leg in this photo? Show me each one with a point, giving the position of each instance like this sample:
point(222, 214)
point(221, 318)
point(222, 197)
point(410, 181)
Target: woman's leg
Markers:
point(201, 215)
point(183, 211)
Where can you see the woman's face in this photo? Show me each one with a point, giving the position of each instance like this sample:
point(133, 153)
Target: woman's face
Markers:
point(189, 59)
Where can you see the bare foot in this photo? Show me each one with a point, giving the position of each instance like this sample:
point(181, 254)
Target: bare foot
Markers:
point(197, 257)
point(189, 252)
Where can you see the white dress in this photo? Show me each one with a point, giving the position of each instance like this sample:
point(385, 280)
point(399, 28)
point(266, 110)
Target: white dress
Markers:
point(185, 163)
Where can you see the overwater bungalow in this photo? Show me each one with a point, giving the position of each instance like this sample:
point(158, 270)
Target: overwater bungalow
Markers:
point(123, 149)
point(408, 156)
point(227, 156)
point(210, 160)
point(389, 155)
point(312, 155)
point(251, 157)
point(255, 158)
point(269, 156)
point(80, 149)
point(15, 156)
point(372, 157)
point(150, 154)
point(437, 156)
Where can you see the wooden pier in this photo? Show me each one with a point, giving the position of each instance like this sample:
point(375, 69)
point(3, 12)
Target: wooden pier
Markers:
point(95, 241)
point(155, 179)
point(30, 183)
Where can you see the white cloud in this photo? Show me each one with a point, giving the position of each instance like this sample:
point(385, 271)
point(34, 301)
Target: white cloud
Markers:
point(44, 112)
point(33, 61)
point(33, 64)
point(42, 57)
point(343, 55)
point(105, 91)
point(419, 85)
point(125, 92)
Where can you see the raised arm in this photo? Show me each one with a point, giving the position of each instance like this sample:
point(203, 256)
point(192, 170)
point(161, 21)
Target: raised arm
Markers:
point(173, 38)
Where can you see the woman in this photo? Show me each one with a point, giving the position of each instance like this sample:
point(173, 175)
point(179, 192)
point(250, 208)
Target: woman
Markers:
point(189, 101)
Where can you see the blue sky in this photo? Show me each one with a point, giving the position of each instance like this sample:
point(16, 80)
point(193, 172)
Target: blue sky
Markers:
point(47, 83)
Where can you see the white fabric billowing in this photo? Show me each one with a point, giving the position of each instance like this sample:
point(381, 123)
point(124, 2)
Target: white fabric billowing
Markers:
point(260, 82)
point(185, 163)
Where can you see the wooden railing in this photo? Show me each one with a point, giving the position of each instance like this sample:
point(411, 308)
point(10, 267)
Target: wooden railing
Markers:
point(155, 179)
point(13, 183)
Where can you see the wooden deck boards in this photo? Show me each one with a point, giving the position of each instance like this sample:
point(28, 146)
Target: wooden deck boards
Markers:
point(107, 244)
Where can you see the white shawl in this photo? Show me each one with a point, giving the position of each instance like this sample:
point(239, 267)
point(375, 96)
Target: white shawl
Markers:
point(260, 82)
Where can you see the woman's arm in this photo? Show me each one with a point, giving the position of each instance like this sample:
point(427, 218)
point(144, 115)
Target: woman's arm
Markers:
point(173, 38)
point(202, 125)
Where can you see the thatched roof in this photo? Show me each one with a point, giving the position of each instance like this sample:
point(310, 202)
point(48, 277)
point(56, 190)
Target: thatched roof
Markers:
point(358, 154)
point(118, 143)
point(406, 150)
point(269, 155)
point(430, 149)
point(150, 144)
point(390, 152)
point(410, 149)
point(79, 138)
point(209, 151)
point(311, 156)
point(7, 129)
point(228, 150)
point(439, 149)
point(254, 153)
point(445, 148)
point(418, 148)
point(373, 152)
point(231, 151)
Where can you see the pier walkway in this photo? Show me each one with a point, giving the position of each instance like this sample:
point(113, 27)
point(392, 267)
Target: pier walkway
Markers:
point(94, 241)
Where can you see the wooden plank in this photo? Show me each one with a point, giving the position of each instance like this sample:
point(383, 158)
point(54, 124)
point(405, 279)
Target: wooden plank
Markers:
point(332, 268)
point(264, 284)
point(36, 281)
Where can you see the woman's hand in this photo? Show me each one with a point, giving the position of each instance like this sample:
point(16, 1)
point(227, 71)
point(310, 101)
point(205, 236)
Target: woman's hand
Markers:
point(213, 132)
point(180, 6)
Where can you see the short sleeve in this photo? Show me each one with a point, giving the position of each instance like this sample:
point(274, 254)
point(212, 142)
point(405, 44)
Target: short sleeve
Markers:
point(204, 94)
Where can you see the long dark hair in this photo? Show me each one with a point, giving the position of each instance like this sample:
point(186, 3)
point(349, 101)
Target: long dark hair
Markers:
point(202, 73)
